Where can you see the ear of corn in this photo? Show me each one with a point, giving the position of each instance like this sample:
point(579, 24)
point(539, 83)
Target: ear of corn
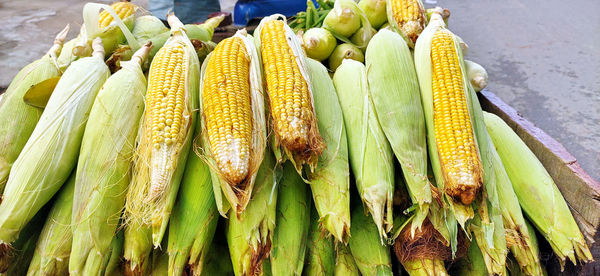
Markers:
point(137, 248)
point(51, 152)
point(472, 264)
point(160, 263)
point(408, 18)
point(375, 10)
point(66, 56)
point(146, 27)
point(166, 133)
point(292, 225)
point(529, 177)
point(395, 93)
point(112, 261)
point(290, 93)
point(217, 260)
point(370, 153)
point(53, 248)
point(344, 262)
point(320, 251)
point(18, 119)
point(330, 182)
point(371, 255)
point(103, 171)
point(194, 219)
point(233, 122)
point(250, 234)
point(478, 76)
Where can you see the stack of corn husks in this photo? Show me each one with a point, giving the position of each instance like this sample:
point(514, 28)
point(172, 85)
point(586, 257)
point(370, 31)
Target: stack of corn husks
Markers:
point(138, 149)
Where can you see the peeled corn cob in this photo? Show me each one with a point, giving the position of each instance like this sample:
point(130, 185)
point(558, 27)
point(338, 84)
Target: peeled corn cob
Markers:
point(394, 90)
point(103, 171)
point(529, 177)
point(408, 18)
point(194, 219)
point(250, 234)
point(123, 9)
point(51, 152)
point(233, 121)
point(166, 133)
point(370, 153)
point(290, 93)
point(17, 118)
point(330, 182)
point(371, 255)
point(320, 251)
point(53, 248)
point(292, 225)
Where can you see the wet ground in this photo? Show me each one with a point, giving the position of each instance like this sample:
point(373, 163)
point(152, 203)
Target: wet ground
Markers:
point(543, 56)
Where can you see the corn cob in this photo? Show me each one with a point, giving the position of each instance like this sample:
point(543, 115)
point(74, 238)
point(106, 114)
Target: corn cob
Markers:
point(293, 221)
point(375, 11)
point(477, 75)
point(344, 262)
point(394, 90)
point(233, 119)
point(371, 255)
point(194, 219)
point(123, 9)
point(18, 119)
point(53, 248)
point(424, 252)
point(370, 153)
point(529, 177)
point(166, 133)
point(330, 182)
point(408, 18)
point(320, 251)
point(290, 93)
point(103, 173)
point(249, 234)
point(50, 153)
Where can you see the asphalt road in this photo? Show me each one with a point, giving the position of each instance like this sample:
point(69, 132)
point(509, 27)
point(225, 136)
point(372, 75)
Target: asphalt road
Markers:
point(543, 57)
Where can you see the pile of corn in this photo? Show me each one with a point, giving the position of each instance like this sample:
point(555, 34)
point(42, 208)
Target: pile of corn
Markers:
point(141, 150)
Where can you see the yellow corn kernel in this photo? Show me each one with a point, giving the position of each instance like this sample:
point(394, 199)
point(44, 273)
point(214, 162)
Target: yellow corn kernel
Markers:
point(410, 17)
point(290, 100)
point(123, 10)
point(454, 137)
point(227, 110)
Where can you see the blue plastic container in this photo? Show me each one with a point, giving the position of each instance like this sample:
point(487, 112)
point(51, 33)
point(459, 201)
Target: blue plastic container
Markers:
point(245, 10)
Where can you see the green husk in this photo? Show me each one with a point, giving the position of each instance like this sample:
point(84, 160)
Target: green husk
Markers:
point(250, 233)
point(330, 182)
point(371, 255)
point(363, 36)
point(375, 11)
point(395, 93)
point(477, 75)
point(320, 253)
point(155, 183)
point(344, 262)
point(344, 51)
point(18, 119)
point(66, 56)
point(104, 173)
point(529, 177)
point(53, 248)
point(370, 153)
point(293, 221)
point(112, 262)
point(203, 48)
point(318, 43)
point(472, 264)
point(160, 263)
point(194, 218)
point(146, 27)
point(51, 152)
point(228, 194)
point(217, 260)
point(342, 19)
point(137, 248)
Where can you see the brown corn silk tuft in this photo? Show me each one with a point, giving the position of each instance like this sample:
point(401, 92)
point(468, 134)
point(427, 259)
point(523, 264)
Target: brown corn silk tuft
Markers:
point(427, 243)
point(454, 135)
point(292, 111)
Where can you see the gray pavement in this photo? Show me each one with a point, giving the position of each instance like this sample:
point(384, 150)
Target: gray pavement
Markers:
point(543, 56)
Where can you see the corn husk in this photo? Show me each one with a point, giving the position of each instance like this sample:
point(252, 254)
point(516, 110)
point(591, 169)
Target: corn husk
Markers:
point(217, 260)
point(344, 51)
point(292, 225)
point(320, 252)
point(472, 264)
point(343, 19)
point(330, 182)
point(146, 27)
point(363, 36)
point(137, 248)
point(66, 56)
point(160, 263)
point(318, 43)
point(155, 183)
point(477, 75)
point(394, 89)
point(370, 153)
point(375, 10)
point(194, 219)
point(51, 152)
point(104, 173)
point(344, 262)
point(112, 35)
point(17, 118)
point(53, 248)
point(371, 255)
point(529, 177)
point(250, 234)
point(112, 262)
point(236, 198)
